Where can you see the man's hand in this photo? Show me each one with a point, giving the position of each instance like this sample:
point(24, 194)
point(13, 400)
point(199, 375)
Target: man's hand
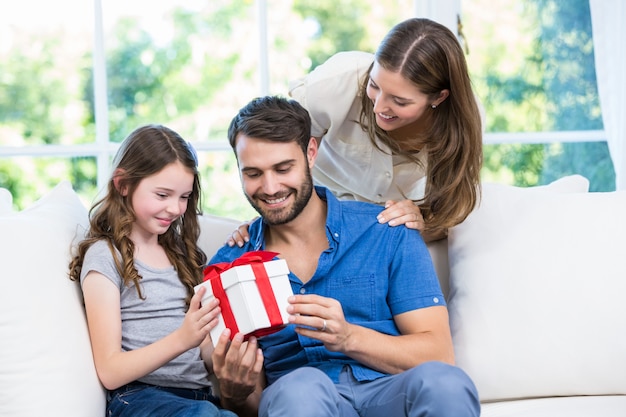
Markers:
point(238, 366)
point(320, 318)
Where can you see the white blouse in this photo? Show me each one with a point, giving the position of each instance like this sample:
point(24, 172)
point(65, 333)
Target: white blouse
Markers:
point(348, 163)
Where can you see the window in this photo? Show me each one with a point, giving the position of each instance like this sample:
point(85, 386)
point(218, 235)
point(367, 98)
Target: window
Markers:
point(66, 101)
point(532, 65)
point(190, 65)
point(42, 74)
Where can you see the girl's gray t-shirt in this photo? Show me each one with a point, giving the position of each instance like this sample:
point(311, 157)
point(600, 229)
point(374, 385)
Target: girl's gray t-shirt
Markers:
point(148, 320)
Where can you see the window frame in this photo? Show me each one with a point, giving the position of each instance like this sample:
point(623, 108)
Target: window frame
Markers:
point(445, 11)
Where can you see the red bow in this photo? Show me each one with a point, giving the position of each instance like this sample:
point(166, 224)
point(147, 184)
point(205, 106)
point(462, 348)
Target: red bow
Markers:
point(248, 258)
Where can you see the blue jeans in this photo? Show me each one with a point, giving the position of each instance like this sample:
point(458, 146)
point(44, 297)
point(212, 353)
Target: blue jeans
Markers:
point(143, 400)
point(432, 389)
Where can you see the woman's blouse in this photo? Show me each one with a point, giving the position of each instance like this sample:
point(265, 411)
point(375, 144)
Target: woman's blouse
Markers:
point(348, 163)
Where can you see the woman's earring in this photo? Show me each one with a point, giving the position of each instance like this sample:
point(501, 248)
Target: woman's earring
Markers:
point(433, 106)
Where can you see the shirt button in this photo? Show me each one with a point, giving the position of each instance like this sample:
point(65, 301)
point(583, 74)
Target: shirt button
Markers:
point(436, 300)
point(336, 234)
point(303, 290)
point(388, 174)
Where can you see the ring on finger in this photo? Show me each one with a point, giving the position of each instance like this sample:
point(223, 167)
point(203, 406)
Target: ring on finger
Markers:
point(323, 329)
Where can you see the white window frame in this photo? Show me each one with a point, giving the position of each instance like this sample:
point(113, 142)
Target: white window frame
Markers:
point(444, 11)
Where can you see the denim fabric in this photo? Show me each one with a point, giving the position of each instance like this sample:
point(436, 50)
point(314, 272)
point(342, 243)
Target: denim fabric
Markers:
point(143, 400)
point(374, 270)
point(432, 389)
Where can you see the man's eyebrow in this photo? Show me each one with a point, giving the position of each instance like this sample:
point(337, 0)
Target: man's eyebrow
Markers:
point(276, 165)
point(285, 162)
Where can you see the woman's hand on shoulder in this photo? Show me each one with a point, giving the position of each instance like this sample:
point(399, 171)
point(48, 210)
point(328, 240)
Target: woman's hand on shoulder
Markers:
point(404, 212)
point(240, 235)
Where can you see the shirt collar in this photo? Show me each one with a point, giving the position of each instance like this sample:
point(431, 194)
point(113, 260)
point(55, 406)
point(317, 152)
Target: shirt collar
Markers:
point(333, 214)
point(333, 221)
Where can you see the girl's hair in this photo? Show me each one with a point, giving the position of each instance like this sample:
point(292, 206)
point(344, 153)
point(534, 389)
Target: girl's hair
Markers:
point(145, 152)
point(429, 56)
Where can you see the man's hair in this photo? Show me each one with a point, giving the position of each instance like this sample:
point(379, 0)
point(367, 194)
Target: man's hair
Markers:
point(272, 118)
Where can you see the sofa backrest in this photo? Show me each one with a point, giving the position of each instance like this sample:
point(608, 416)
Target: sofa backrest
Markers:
point(537, 281)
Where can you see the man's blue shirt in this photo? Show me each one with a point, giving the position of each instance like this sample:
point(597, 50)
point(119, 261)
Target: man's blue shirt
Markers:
point(375, 271)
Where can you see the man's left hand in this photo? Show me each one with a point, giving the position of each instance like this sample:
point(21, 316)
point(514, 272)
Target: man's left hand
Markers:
point(320, 318)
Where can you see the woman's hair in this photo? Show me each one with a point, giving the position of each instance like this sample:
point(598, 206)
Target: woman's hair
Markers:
point(272, 118)
point(428, 55)
point(145, 152)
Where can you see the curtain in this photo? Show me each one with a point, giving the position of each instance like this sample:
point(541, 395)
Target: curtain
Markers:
point(608, 20)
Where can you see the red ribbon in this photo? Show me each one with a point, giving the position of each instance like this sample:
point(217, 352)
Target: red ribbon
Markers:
point(255, 259)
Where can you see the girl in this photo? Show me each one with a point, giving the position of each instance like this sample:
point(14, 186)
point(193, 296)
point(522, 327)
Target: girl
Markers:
point(137, 267)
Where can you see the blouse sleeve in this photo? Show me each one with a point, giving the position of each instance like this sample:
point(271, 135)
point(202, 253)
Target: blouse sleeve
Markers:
point(330, 90)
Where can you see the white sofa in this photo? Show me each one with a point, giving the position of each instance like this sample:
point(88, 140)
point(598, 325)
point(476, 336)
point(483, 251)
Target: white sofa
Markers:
point(535, 279)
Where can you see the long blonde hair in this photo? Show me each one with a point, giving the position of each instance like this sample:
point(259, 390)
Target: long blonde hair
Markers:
point(429, 56)
point(146, 151)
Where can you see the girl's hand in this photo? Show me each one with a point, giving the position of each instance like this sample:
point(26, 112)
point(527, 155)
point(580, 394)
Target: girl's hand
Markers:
point(402, 212)
point(199, 320)
point(240, 235)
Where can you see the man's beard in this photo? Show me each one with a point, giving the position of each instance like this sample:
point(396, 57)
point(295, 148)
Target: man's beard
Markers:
point(286, 214)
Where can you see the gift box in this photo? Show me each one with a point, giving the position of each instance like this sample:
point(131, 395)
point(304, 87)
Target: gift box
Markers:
point(253, 292)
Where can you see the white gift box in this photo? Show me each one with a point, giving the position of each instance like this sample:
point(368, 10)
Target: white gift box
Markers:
point(245, 293)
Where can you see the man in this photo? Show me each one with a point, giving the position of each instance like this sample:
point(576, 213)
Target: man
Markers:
point(368, 332)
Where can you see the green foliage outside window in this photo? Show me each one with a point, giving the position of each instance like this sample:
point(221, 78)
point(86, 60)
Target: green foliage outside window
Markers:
point(546, 83)
point(196, 79)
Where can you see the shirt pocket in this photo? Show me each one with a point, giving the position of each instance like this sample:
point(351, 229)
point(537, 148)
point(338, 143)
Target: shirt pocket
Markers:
point(357, 295)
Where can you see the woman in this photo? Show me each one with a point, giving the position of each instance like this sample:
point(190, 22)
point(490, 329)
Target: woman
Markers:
point(400, 128)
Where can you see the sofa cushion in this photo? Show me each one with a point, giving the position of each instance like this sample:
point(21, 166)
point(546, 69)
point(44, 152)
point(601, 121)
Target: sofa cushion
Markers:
point(439, 248)
point(536, 293)
point(6, 202)
point(46, 367)
point(584, 406)
point(214, 230)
